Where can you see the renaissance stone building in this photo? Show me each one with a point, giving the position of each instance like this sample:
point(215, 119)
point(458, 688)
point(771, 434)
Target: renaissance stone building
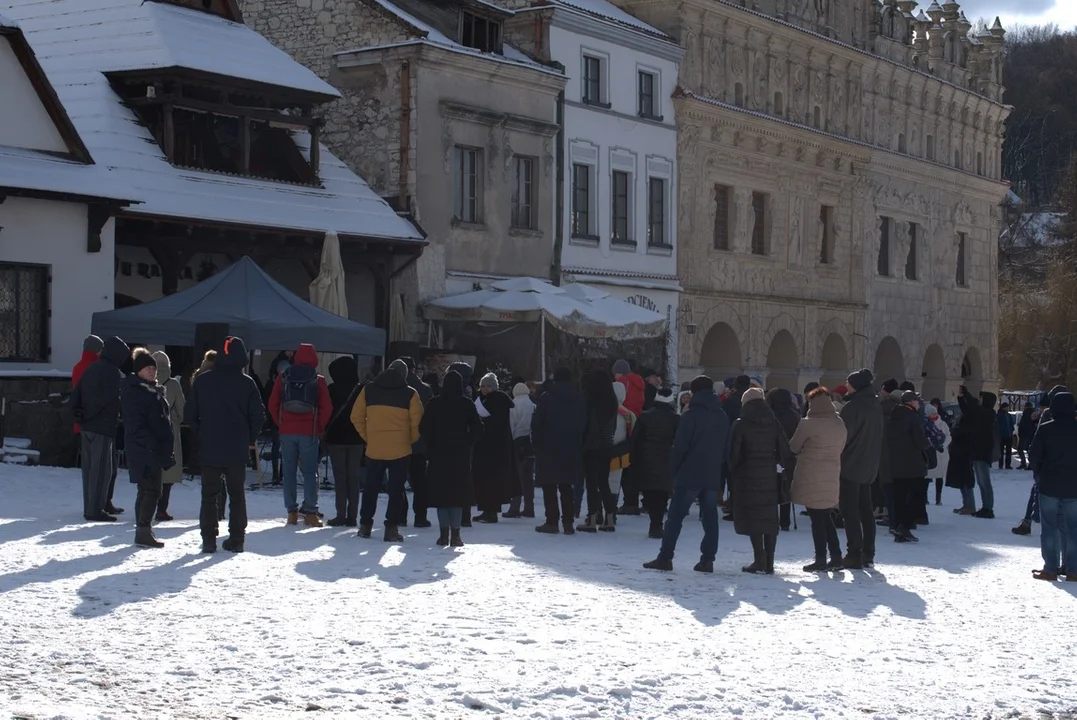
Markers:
point(840, 181)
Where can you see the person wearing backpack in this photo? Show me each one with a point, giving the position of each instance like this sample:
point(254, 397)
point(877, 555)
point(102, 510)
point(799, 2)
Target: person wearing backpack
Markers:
point(302, 408)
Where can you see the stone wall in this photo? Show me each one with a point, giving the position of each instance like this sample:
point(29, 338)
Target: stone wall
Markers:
point(35, 411)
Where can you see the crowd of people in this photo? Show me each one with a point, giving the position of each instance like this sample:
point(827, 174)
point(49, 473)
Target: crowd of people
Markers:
point(855, 457)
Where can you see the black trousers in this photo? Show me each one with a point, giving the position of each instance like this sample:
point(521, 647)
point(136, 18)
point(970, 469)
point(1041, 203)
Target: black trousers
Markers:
point(420, 493)
point(857, 512)
point(213, 479)
point(905, 492)
point(596, 472)
point(555, 511)
point(346, 461)
point(785, 512)
point(630, 487)
point(166, 494)
point(149, 492)
point(824, 535)
point(656, 501)
point(1007, 454)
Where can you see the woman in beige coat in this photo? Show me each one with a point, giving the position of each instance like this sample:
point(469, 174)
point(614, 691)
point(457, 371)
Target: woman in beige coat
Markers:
point(818, 443)
point(176, 402)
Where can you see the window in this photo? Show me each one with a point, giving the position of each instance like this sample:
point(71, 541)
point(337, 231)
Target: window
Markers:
point(779, 104)
point(759, 230)
point(656, 212)
point(957, 159)
point(466, 182)
point(582, 220)
point(883, 263)
point(817, 118)
point(738, 95)
point(901, 143)
point(826, 242)
point(479, 33)
point(930, 147)
point(648, 83)
point(979, 163)
point(592, 80)
point(722, 194)
point(961, 278)
point(621, 209)
point(24, 313)
point(523, 193)
point(910, 261)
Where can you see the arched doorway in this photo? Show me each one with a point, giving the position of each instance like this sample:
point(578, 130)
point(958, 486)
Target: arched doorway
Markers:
point(972, 371)
point(835, 361)
point(934, 373)
point(889, 362)
point(782, 362)
point(720, 356)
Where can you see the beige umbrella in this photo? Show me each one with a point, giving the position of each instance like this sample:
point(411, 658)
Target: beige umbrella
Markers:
point(328, 289)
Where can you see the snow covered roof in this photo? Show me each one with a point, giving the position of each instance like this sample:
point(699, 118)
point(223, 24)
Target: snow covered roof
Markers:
point(6, 22)
point(608, 11)
point(429, 35)
point(75, 42)
point(46, 173)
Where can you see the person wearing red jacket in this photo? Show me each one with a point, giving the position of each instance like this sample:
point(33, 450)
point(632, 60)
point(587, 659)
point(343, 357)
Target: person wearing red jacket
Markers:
point(91, 353)
point(302, 408)
point(634, 398)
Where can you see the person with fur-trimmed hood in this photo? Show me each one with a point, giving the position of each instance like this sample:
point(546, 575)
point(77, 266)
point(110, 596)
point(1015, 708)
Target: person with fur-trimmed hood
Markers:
point(652, 445)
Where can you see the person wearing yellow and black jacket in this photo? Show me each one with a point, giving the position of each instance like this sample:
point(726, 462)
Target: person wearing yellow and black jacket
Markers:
point(386, 415)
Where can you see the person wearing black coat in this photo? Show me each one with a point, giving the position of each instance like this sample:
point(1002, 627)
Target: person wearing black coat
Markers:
point(781, 404)
point(95, 403)
point(986, 447)
point(652, 444)
point(226, 413)
point(494, 464)
point(602, 407)
point(1053, 457)
point(342, 441)
point(557, 432)
point(959, 473)
point(731, 405)
point(908, 445)
point(757, 448)
point(1032, 508)
point(451, 427)
point(417, 460)
point(1026, 427)
point(699, 452)
point(149, 439)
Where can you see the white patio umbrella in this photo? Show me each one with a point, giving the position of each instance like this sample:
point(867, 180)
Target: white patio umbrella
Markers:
point(328, 290)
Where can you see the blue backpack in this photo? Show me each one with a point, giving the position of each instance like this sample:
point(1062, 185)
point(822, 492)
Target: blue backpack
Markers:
point(299, 390)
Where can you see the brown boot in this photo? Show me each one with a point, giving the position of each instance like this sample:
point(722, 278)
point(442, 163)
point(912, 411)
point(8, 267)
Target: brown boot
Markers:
point(311, 520)
point(293, 517)
point(392, 534)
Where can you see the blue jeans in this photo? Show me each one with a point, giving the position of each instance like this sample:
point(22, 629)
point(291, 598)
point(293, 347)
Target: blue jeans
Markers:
point(450, 518)
point(1058, 533)
point(968, 498)
point(300, 452)
point(982, 471)
point(678, 511)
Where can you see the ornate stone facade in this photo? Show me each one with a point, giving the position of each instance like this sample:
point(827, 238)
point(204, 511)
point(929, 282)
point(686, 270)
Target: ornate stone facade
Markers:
point(838, 206)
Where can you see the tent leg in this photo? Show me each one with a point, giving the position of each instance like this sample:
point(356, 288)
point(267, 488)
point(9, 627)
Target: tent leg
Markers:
point(542, 345)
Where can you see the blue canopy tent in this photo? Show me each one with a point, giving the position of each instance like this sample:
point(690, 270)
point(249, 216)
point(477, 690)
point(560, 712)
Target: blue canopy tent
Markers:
point(256, 308)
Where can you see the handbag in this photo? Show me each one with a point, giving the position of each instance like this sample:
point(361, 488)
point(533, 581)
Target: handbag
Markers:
point(932, 458)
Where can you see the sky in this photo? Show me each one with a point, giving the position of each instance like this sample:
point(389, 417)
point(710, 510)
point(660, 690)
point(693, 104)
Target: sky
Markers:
point(1025, 12)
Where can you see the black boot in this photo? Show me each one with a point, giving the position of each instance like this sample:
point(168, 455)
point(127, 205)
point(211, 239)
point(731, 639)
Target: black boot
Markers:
point(655, 533)
point(443, 538)
point(392, 534)
point(454, 538)
point(759, 564)
point(770, 542)
point(144, 538)
point(233, 545)
point(209, 545)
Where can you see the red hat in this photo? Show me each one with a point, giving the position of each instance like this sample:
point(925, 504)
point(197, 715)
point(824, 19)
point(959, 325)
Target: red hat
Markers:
point(841, 390)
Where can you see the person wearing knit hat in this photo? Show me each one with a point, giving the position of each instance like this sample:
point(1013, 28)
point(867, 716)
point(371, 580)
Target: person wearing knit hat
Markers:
point(523, 410)
point(176, 400)
point(91, 353)
point(860, 462)
point(909, 447)
point(758, 446)
point(652, 443)
point(93, 344)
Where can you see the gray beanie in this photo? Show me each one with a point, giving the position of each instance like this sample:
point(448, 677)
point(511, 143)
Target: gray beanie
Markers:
point(93, 344)
point(621, 367)
point(489, 380)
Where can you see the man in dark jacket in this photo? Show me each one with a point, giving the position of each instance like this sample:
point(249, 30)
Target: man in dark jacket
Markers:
point(1053, 457)
point(985, 449)
point(149, 438)
point(1032, 508)
point(342, 442)
point(781, 403)
point(863, 417)
point(731, 405)
point(699, 452)
point(1026, 427)
point(417, 463)
point(558, 426)
point(908, 446)
point(889, 398)
point(652, 444)
point(1006, 427)
point(95, 403)
point(225, 411)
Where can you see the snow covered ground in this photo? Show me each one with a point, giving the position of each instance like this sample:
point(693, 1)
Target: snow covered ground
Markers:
point(516, 624)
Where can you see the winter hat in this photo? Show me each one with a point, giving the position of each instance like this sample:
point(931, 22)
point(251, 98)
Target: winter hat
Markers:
point(719, 388)
point(907, 386)
point(909, 396)
point(562, 374)
point(665, 395)
point(620, 391)
point(93, 344)
point(141, 361)
point(621, 367)
point(701, 383)
point(489, 380)
point(861, 379)
point(809, 387)
point(408, 362)
point(890, 386)
point(750, 395)
point(519, 390)
point(841, 391)
point(164, 366)
point(742, 383)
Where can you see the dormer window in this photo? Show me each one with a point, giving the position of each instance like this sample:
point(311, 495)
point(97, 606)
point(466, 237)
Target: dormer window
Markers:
point(480, 33)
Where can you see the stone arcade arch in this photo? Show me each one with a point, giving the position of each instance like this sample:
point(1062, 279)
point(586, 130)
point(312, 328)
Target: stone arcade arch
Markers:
point(720, 356)
point(782, 362)
point(934, 373)
point(972, 371)
point(835, 361)
point(889, 361)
